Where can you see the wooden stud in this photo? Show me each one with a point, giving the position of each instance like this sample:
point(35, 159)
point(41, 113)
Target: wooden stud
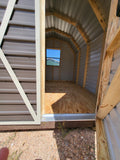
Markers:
point(100, 65)
point(115, 43)
point(94, 6)
point(105, 77)
point(86, 65)
point(69, 20)
point(41, 70)
point(113, 25)
point(102, 146)
point(112, 96)
point(113, 28)
point(78, 68)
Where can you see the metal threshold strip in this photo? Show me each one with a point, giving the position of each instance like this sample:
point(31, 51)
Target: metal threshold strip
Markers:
point(68, 117)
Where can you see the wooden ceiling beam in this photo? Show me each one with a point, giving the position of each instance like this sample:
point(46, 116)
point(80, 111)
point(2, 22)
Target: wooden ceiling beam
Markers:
point(64, 34)
point(96, 10)
point(70, 21)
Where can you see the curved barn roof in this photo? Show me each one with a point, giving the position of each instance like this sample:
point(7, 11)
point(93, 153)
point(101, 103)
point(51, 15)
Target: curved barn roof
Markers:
point(76, 18)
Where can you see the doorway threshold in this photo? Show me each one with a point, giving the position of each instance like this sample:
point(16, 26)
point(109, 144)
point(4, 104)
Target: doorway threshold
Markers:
point(68, 117)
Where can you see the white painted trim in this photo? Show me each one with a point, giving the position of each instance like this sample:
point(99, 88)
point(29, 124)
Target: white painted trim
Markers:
point(38, 57)
point(19, 122)
point(6, 18)
point(17, 84)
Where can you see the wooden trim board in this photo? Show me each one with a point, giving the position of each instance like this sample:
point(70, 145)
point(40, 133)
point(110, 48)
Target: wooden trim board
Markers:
point(86, 65)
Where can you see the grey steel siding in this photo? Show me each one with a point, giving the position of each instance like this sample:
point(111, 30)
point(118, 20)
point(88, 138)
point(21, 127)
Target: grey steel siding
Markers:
point(82, 65)
point(65, 71)
point(112, 129)
point(93, 63)
point(19, 48)
point(112, 120)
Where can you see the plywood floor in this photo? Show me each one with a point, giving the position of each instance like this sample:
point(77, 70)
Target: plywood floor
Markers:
point(67, 97)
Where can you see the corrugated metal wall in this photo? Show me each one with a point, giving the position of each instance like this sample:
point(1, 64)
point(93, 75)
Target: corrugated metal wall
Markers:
point(19, 48)
point(65, 71)
point(112, 129)
point(93, 63)
point(112, 120)
point(82, 65)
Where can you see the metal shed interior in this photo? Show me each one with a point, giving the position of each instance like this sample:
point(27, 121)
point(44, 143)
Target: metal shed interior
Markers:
point(73, 27)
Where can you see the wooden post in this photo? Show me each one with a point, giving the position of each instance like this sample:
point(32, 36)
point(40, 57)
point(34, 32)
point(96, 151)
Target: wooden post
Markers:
point(99, 16)
point(86, 65)
point(112, 96)
point(100, 65)
point(78, 68)
point(102, 146)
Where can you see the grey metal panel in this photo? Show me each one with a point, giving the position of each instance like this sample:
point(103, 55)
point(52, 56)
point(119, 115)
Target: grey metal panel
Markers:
point(12, 46)
point(67, 61)
point(56, 73)
point(49, 71)
point(26, 3)
point(1, 13)
point(82, 65)
point(93, 63)
point(19, 48)
point(112, 129)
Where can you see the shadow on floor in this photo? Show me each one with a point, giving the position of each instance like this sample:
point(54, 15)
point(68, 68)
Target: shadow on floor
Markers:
point(67, 97)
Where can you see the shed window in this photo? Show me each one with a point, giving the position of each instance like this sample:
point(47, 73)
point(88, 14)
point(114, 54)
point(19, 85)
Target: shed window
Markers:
point(53, 57)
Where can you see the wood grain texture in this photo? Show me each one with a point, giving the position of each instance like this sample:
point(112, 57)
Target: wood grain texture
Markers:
point(113, 25)
point(100, 65)
point(86, 65)
point(102, 146)
point(107, 54)
point(112, 96)
point(105, 75)
point(96, 9)
point(67, 97)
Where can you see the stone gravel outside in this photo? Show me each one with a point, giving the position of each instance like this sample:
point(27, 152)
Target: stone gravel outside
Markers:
point(58, 144)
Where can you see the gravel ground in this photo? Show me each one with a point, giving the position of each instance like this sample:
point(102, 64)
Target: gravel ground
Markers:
point(59, 144)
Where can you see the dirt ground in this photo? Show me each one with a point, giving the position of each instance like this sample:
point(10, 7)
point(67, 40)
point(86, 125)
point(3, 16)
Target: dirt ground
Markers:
point(59, 144)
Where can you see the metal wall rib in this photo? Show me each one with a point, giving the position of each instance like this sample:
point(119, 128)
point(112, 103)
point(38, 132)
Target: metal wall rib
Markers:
point(93, 63)
point(19, 48)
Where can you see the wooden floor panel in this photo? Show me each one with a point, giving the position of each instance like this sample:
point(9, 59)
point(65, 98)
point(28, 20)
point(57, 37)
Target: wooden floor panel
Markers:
point(67, 97)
